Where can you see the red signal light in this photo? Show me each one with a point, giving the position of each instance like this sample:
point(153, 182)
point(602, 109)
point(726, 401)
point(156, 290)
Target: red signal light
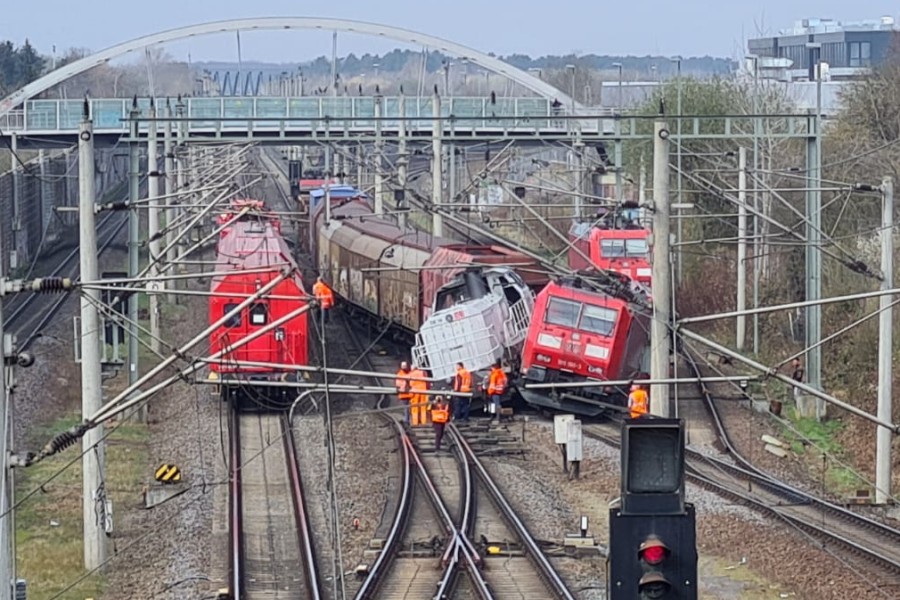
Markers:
point(653, 551)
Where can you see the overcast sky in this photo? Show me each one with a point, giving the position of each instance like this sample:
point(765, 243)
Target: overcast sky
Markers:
point(639, 27)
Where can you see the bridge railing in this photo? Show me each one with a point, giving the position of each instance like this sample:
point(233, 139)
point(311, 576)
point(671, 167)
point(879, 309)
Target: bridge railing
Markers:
point(109, 115)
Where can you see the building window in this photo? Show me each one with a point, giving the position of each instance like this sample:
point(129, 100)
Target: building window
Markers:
point(860, 54)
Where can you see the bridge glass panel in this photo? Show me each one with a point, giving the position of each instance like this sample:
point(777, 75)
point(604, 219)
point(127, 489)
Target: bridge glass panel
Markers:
point(364, 108)
point(530, 108)
point(390, 108)
point(204, 107)
point(469, 111)
point(144, 108)
point(271, 107)
point(424, 111)
point(234, 108)
point(70, 113)
point(303, 107)
point(504, 107)
point(41, 114)
point(336, 107)
point(108, 114)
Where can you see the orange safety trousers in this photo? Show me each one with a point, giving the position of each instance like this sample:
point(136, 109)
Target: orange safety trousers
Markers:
point(418, 409)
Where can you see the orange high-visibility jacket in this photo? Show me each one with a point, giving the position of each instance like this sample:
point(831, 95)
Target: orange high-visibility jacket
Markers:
point(638, 403)
point(323, 294)
point(463, 381)
point(418, 380)
point(497, 382)
point(402, 384)
point(440, 413)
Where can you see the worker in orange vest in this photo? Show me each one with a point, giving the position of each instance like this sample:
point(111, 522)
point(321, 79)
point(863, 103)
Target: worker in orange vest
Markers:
point(418, 404)
point(440, 416)
point(462, 383)
point(404, 388)
point(496, 388)
point(325, 297)
point(638, 402)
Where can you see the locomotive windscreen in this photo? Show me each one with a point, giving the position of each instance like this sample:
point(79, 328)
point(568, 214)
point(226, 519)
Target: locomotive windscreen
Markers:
point(619, 248)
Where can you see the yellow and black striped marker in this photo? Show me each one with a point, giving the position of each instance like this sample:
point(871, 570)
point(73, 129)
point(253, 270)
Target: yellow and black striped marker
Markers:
point(168, 474)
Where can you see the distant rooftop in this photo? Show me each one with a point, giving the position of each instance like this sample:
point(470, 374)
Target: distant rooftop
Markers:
point(807, 26)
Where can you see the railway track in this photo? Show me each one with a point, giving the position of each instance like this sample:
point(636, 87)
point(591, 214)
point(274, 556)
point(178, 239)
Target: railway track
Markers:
point(270, 542)
point(26, 315)
point(447, 501)
point(867, 538)
point(736, 478)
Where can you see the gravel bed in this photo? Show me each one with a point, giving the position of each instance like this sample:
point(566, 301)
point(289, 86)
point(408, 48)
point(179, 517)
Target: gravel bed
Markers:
point(176, 561)
point(742, 552)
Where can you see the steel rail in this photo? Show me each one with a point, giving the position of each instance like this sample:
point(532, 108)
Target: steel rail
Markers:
point(538, 558)
point(235, 511)
point(747, 470)
point(370, 585)
point(301, 514)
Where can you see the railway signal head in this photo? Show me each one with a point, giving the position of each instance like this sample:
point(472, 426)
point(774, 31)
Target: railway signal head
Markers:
point(652, 557)
point(652, 553)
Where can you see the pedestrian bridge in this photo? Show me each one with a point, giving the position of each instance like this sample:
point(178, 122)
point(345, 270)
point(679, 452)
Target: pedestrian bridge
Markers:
point(316, 114)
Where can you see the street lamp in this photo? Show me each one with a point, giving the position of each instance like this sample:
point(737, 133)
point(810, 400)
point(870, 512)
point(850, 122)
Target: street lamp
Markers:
point(571, 70)
point(619, 102)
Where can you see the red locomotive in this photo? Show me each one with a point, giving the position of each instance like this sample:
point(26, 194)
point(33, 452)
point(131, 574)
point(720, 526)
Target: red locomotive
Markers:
point(251, 255)
point(578, 333)
point(624, 251)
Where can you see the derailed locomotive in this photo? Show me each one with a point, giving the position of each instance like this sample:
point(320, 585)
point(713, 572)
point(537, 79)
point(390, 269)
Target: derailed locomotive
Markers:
point(582, 331)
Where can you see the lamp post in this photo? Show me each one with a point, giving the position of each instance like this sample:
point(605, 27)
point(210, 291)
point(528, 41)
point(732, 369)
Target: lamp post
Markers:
point(571, 70)
point(619, 100)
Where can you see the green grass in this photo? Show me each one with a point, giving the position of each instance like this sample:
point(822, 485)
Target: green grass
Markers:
point(822, 439)
point(50, 556)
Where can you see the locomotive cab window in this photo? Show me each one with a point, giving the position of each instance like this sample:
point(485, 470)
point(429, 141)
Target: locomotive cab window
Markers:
point(620, 248)
point(235, 320)
point(562, 312)
point(259, 314)
point(510, 291)
point(597, 319)
point(451, 296)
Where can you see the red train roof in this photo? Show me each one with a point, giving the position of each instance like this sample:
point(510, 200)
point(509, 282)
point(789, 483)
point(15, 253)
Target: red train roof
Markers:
point(594, 297)
point(252, 245)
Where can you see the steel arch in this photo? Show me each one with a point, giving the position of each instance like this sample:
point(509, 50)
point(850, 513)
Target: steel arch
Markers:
point(265, 23)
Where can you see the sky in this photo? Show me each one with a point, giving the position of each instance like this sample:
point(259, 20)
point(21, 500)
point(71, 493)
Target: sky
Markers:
point(637, 27)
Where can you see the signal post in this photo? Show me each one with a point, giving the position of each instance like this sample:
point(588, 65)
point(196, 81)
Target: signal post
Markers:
point(652, 532)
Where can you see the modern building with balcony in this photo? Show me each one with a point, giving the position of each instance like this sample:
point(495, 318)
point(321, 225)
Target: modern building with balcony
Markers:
point(846, 50)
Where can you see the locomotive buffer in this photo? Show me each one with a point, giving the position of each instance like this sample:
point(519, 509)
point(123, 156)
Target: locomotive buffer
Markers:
point(652, 536)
